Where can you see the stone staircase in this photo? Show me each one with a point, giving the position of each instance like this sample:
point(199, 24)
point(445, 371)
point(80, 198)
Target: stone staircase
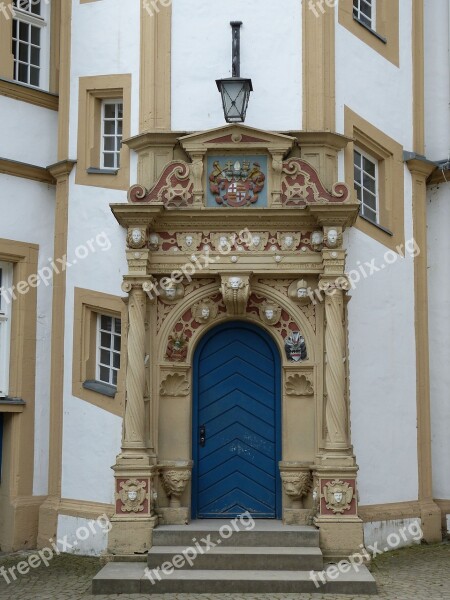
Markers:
point(203, 558)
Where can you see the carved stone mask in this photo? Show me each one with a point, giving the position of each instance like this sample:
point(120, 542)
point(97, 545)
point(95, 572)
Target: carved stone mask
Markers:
point(289, 240)
point(256, 239)
point(235, 282)
point(205, 312)
point(132, 495)
point(269, 313)
point(136, 236)
point(302, 292)
point(171, 293)
point(332, 236)
point(317, 238)
point(189, 240)
point(223, 241)
point(338, 496)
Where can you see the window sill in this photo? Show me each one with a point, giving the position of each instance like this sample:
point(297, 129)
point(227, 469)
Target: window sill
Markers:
point(11, 405)
point(377, 225)
point(100, 387)
point(370, 30)
point(25, 93)
point(95, 171)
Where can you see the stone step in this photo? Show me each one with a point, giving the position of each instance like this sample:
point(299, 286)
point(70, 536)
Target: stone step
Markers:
point(239, 558)
point(262, 535)
point(130, 578)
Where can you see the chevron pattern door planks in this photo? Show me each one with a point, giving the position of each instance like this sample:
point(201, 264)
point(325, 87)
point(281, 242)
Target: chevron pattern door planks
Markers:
point(237, 414)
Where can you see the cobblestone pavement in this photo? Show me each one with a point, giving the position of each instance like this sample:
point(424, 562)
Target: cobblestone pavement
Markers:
point(416, 573)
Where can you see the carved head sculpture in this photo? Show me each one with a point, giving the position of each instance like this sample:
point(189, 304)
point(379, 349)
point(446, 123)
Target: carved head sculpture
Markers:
point(132, 495)
point(171, 292)
point(332, 237)
point(269, 312)
point(338, 496)
point(223, 241)
point(154, 240)
point(288, 240)
point(256, 240)
point(189, 240)
point(302, 289)
point(235, 282)
point(205, 312)
point(317, 238)
point(297, 484)
point(136, 236)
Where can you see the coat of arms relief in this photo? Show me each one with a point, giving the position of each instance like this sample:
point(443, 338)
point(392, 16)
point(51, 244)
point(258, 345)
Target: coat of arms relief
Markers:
point(237, 181)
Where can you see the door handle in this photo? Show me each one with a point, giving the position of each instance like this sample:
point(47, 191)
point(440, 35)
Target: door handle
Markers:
point(202, 435)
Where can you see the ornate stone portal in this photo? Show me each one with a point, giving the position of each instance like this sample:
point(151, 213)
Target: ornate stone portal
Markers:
point(256, 237)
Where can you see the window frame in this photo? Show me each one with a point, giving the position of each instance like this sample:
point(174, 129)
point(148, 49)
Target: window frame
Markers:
point(111, 349)
point(6, 281)
point(92, 91)
point(116, 153)
point(373, 16)
point(390, 230)
point(375, 162)
point(88, 304)
point(42, 21)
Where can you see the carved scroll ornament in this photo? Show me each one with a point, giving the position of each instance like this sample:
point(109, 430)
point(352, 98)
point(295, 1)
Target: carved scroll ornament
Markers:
point(174, 188)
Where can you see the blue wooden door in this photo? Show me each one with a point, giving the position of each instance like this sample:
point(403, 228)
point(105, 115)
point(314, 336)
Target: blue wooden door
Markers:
point(236, 432)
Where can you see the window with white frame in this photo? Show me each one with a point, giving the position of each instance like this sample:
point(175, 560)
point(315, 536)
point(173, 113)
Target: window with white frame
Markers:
point(6, 272)
point(366, 184)
point(108, 349)
point(112, 120)
point(30, 42)
point(365, 12)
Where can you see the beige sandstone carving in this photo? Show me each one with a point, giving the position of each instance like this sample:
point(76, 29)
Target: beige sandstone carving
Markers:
point(132, 495)
point(205, 311)
point(338, 496)
point(269, 313)
point(189, 242)
point(297, 483)
point(174, 479)
point(299, 385)
point(174, 385)
point(235, 292)
point(289, 240)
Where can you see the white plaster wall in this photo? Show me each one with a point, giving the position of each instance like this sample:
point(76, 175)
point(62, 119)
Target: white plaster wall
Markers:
point(382, 368)
point(105, 41)
point(27, 132)
point(86, 537)
point(373, 87)
point(391, 535)
point(439, 319)
point(437, 79)
point(271, 55)
point(91, 441)
point(32, 221)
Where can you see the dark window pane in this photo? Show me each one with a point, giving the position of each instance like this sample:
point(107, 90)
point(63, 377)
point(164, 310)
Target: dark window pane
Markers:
point(105, 340)
point(358, 192)
point(23, 73)
point(116, 361)
point(34, 56)
point(370, 200)
point(120, 111)
point(36, 7)
point(23, 52)
point(34, 76)
point(106, 323)
point(36, 36)
point(105, 357)
point(369, 167)
point(104, 374)
point(14, 28)
point(108, 160)
point(110, 111)
point(24, 31)
point(116, 342)
point(109, 143)
point(114, 378)
point(118, 325)
point(357, 175)
point(110, 127)
point(369, 183)
point(357, 158)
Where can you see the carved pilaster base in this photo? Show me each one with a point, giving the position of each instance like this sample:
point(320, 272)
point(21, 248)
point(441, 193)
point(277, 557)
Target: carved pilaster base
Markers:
point(298, 516)
point(173, 516)
point(130, 535)
point(340, 538)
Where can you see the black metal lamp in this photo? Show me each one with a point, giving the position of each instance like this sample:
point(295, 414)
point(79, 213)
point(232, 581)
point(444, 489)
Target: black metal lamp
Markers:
point(235, 90)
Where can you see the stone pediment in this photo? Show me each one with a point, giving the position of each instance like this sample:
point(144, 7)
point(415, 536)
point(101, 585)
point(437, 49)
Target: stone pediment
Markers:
point(236, 138)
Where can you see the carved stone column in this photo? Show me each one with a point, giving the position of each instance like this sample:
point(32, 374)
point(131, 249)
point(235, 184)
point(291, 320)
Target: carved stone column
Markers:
point(134, 420)
point(134, 517)
point(336, 411)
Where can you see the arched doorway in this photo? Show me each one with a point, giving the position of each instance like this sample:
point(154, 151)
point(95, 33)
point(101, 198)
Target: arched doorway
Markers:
point(236, 423)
